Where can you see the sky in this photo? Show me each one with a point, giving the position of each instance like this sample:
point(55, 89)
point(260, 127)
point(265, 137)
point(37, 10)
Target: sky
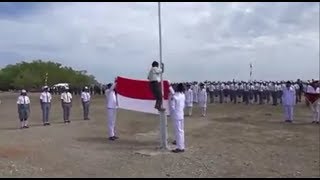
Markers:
point(201, 41)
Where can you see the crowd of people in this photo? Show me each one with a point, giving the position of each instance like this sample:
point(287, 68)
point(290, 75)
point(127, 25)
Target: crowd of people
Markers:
point(182, 98)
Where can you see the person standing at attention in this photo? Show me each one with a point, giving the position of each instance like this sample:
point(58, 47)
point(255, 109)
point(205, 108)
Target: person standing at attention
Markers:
point(203, 98)
point(155, 85)
point(178, 105)
point(288, 101)
point(189, 100)
point(85, 99)
point(23, 109)
point(112, 105)
point(66, 103)
point(45, 102)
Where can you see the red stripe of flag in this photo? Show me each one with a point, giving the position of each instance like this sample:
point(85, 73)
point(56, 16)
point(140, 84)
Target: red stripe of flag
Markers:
point(138, 89)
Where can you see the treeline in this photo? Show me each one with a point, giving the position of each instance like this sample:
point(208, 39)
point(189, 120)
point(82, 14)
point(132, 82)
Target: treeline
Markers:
point(32, 76)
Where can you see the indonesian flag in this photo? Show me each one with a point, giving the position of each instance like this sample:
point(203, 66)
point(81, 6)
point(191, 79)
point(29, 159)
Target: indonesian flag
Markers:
point(136, 95)
point(312, 97)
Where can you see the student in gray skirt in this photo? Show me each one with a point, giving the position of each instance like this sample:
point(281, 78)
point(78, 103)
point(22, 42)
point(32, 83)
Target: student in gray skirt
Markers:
point(23, 109)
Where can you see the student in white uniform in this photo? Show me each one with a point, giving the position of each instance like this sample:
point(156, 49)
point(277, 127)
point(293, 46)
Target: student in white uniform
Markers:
point(315, 107)
point(66, 103)
point(45, 101)
point(85, 99)
point(23, 109)
point(211, 92)
point(178, 109)
point(112, 105)
point(195, 91)
point(203, 98)
point(288, 101)
point(189, 100)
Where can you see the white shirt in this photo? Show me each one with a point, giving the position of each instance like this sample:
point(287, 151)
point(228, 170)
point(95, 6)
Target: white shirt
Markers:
point(154, 74)
point(310, 89)
point(85, 96)
point(178, 105)
point(211, 87)
point(203, 97)
point(111, 98)
point(45, 97)
point(66, 97)
point(289, 96)
point(23, 100)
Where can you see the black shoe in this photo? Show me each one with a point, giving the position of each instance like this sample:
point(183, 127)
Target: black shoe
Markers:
point(177, 150)
point(313, 122)
point(115, 137)
point(174, 142)
point(317, 122)
point(48, 124)
point(112, 138)
point(44, 124)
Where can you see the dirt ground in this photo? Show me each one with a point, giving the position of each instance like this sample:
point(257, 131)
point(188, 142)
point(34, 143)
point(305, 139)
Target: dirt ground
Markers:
point(232, 141)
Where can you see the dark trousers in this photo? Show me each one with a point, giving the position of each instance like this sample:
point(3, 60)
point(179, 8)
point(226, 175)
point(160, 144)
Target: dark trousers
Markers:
point(246, 97)
point(255, 93)
point(221, 96)
point(66, 111)
point(211, 94)
point(86, 106)
point(156, 90)
point(274, 98)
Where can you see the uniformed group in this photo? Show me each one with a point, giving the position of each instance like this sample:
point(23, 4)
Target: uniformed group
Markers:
point(182, 98)
point(255, 92)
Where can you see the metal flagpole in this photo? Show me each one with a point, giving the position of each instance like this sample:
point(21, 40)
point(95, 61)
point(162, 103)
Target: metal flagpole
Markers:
point(163, 116)
point(46, 80)
point(250, 72)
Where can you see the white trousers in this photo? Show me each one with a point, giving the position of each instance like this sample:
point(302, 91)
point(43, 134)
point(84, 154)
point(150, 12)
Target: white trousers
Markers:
point(112, 115)
point(179, 133)
point(315, 112)
point(203, 111)
point(288, 112)
point(189, 110)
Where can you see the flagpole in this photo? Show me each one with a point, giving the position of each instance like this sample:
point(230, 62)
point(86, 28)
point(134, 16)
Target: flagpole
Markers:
point(250, 72)
point(163, 116)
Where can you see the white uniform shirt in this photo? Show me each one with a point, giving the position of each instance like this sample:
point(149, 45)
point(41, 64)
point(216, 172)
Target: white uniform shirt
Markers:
point(85, 96)
point(23, 100)
point(66, 97)
point(236, 87)
point(289, 96)
point(45, 97)
point(189, 98)
point(154, 74)
point(178, 105)
point(111, 97)
point(232, 86)
point(310, 89)
point(256, 86)
point(211, 87)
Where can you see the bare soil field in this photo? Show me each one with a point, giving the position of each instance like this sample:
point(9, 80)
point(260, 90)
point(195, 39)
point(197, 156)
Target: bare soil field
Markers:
point(234, 140)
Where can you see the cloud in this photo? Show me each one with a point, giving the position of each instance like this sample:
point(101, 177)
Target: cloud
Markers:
point(214, 41)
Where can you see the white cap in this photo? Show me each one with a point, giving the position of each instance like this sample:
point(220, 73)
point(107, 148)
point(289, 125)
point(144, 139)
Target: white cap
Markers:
point(66, 88)
point(44, 87)
point(23, 91)
point(85, 87)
